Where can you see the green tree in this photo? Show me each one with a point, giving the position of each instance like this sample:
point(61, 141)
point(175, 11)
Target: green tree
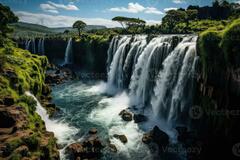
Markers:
point(172, 18)
point(6, 17)
point(79, 25)
point(127, 22)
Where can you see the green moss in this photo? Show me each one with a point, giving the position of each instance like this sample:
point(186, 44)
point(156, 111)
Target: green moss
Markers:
point(231, 43)
point(31, 141)
point(210, 51)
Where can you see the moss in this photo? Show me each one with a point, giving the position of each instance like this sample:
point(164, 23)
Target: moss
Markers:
point(210, 51)
point(31, 141)
point(231, 43)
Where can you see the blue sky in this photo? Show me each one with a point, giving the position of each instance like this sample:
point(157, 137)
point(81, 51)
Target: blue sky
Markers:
point(62, 13)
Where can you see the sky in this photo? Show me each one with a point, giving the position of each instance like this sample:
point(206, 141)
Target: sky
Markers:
point(63, 13)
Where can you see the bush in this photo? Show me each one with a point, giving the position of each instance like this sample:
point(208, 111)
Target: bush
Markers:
point(31, 141)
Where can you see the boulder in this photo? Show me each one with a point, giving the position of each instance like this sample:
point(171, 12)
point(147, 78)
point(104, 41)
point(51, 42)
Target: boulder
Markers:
point(6, 120)
point(89, 148)
point(138, 118)
point(126, 116)
point(156, 136)
point(112, 147)
point(122, 138)
point(93, 131)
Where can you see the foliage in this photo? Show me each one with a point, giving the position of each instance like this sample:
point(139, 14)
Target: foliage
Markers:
point(79, 25)
point(6, 17)
point(231, 43)
point(129, 22)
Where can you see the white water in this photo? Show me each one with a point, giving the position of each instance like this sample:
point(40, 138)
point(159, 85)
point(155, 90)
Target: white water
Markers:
point(41, 48)
point(62, 131)
point(161, 74)
point(68, 53)
point(107, 115)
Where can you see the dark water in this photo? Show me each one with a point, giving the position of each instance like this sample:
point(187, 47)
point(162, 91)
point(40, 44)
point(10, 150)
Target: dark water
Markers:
point(85, 106)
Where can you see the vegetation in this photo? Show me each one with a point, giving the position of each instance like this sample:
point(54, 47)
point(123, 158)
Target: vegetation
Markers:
point(7, 16)
point(79, 25)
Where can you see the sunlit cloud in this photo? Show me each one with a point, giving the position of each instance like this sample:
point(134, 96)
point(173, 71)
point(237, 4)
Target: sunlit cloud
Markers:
point(168, 9)
point(53, 7)
point(136, 8)
point(178, 1)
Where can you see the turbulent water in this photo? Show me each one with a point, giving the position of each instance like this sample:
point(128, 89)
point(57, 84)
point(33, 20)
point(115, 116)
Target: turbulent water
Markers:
point(151, 76)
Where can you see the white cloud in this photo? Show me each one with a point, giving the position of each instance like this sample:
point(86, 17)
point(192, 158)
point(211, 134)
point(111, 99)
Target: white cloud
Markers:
point(152, 10)
point(61, 21)
point(153, 22)
point(48, 8)
point(70, 6)
point(136, 8)
point(168, 9)
point(53, 7)
point(178, 1)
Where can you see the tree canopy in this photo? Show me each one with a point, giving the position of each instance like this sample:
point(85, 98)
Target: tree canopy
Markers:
point(129, 22)
point(79, 25)
point(6, 17)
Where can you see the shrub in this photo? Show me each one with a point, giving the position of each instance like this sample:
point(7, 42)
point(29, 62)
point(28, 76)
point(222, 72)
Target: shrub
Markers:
point(31, 141)
point(30, 102)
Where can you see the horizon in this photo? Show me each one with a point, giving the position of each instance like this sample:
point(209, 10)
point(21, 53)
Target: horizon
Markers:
point(63, 13)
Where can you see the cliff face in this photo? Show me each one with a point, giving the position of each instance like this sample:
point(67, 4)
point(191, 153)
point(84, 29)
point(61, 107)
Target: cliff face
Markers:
point(218, 90)
point(22, 132)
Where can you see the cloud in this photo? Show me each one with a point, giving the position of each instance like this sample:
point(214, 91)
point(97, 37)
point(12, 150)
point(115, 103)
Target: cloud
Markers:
point(136, 8)
point(168, 9)
point(152, 10)
point(70, 6)
point(61, 21)
point(178, 1)
point(153, 22)
point(53, 7)
point(48, 8)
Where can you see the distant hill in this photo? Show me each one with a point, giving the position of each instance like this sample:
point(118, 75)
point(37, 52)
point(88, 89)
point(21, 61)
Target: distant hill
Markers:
point(28, 28)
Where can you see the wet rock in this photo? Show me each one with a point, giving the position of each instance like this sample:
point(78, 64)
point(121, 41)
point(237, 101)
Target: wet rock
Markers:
point(89, 148)
point(156, 136)
point(138, 118)
point(122, 138)
point(113, 148)
point(126, 116)
point(93, 131)
point(46, 90)
point(8, 101)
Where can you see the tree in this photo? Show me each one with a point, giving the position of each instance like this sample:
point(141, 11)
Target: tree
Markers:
point(79, 25)
point(129, 22)
point(6, 17)
point(172, 18)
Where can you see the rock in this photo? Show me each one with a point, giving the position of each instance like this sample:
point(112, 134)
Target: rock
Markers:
point(113, 148)
point(8, 101)
point(122, 138)
point(89, 148)
point(126, 116)
point(58, 71)
point(138, 118)
point(156, 136)
point(6, 121)
point(23, 151)
point(93, 131)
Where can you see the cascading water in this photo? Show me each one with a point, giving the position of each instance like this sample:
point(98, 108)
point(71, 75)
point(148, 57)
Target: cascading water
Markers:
point(68, 53)
point(41, 48)
point(33, 46)
point(161, 72)
point(27, 44)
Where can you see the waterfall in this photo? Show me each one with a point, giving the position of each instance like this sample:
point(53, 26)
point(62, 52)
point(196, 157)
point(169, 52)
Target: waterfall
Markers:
point(68, 53)
point(33, 46)
point(172, 93)
point(41, 48)
point(158, 73)
point(27, 44)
